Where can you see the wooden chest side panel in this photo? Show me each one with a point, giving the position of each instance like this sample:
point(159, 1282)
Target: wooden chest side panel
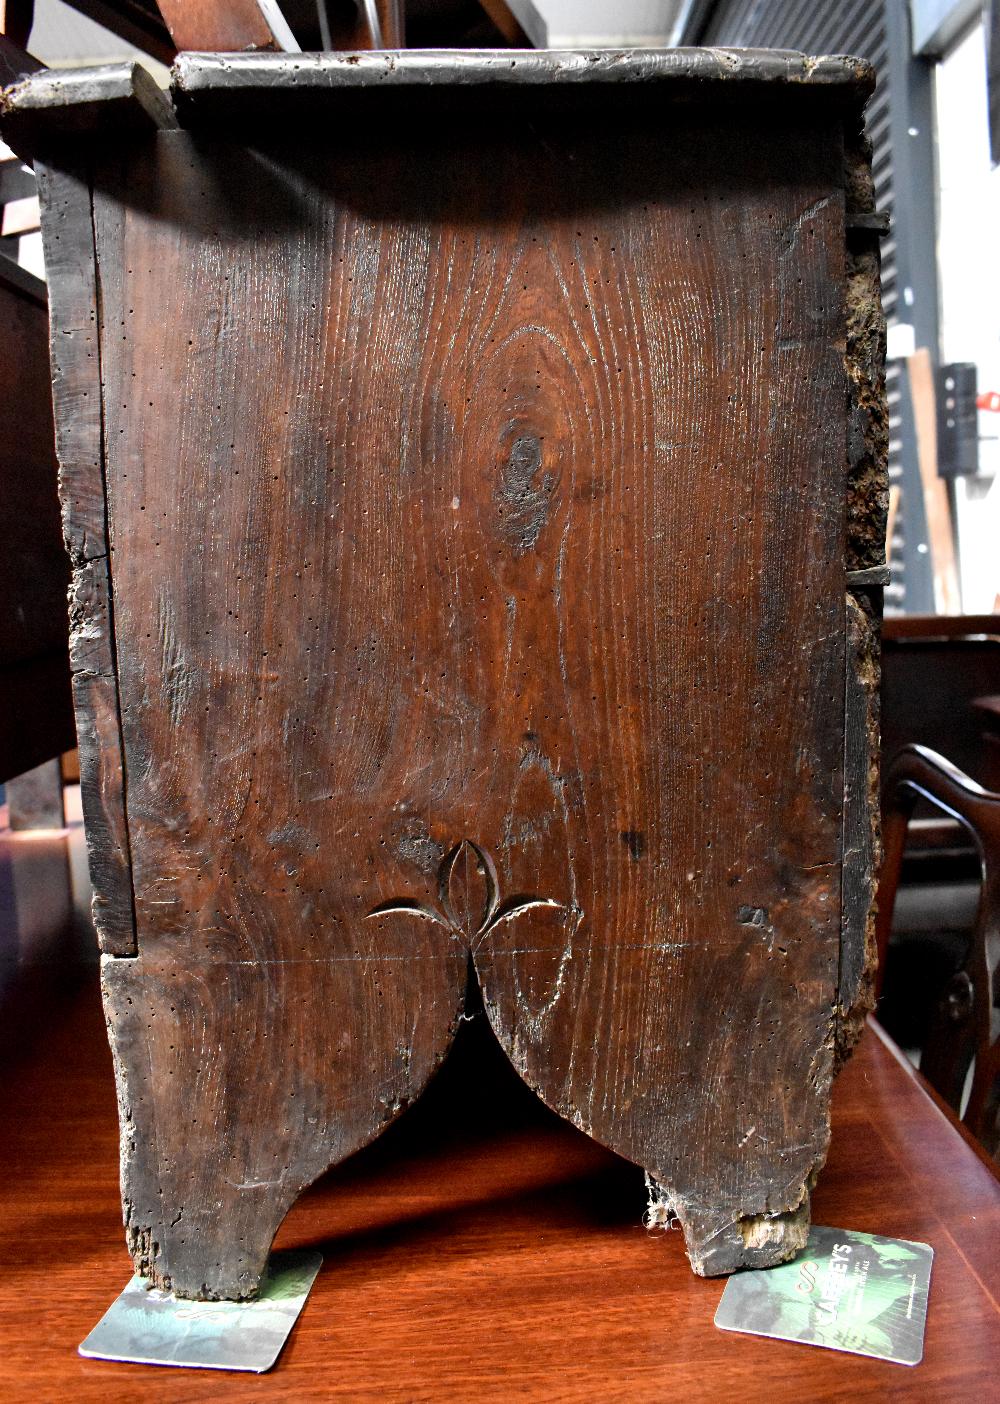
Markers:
point(477, 525)
point(67, 231)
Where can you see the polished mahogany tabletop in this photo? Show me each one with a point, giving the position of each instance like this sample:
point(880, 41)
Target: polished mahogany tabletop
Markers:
point(483, 1250)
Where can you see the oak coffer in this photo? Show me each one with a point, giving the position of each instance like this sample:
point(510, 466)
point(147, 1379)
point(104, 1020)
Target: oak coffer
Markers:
point(473, 469)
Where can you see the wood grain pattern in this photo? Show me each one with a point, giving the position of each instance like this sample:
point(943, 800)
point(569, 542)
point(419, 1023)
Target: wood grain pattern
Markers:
point(481, 647)
point(211, 84)
point(477, 537)
point(67, 237)
point(493, 1246)
point(65, 108)
point(221, 25)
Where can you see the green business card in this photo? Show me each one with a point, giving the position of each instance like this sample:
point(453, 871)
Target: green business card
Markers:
point(846, 1291)
point(146, 1326)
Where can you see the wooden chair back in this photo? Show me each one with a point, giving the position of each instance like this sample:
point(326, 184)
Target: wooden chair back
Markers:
point(963, 1030)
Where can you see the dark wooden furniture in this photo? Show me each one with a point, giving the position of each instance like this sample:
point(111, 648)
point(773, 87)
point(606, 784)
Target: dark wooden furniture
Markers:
point(477, 523)
point(987, 711)
point(239, 26)
point(224, 25)
point(36, 709)
point(934, 669)
point(965, 1024)
point(484, 1250)
point(316, 24)
point(36, 706)
point(940, 678)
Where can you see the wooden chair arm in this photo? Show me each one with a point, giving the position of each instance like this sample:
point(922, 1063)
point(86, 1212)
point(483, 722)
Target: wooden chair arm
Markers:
point(915, 773)
point(918, 772)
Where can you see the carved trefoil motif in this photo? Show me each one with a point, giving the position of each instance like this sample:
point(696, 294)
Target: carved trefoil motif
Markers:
point(495, 909)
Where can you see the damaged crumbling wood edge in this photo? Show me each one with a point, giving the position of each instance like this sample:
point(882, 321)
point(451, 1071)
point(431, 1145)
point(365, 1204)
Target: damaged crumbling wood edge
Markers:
point(53, 117)
point(779, 1233)
point(861, 843)
point(213, 77)
point(70, 262)
point(68, 107)
point(876, 223)
point(874, 575)
point(765, 1238)
point(867, 495)
point(753, 1240)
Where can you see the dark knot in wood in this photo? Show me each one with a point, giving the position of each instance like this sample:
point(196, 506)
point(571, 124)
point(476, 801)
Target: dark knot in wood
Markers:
point(524, 495)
